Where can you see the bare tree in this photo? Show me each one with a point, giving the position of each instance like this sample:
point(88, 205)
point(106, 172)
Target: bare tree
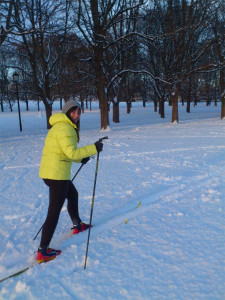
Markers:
point(41, 28)
point(122, 57)
point(218, 26)
point(6, 10)
point(179, 49)
point(95, 22)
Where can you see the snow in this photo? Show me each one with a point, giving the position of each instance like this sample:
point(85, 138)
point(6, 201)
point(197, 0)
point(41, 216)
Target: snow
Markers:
point(159, 210)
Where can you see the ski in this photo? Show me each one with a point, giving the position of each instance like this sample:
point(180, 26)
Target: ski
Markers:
point(36, 263)
point(17, 273)
point(25, 269)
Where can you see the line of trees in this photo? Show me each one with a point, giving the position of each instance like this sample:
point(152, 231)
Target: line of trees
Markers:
point(113, 51)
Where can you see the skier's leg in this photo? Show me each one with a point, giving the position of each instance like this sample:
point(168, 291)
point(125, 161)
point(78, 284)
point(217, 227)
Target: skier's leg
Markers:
point(73, 210)
point(72, 205)
point(57, 195)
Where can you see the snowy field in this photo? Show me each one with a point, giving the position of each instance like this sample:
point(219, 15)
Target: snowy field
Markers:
point(171, 246)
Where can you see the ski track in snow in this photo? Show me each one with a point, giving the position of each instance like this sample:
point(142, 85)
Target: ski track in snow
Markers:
point(130, 211)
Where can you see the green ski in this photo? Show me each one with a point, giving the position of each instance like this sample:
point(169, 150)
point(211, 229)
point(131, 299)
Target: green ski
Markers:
point(17, 273)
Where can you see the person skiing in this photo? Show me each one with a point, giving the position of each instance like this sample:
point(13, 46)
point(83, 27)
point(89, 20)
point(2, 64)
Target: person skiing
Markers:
point(60, 150)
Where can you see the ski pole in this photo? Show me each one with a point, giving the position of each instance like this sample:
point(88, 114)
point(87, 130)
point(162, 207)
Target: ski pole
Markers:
point(72, 181)
point(77, 172)
point(38, 233)
point(92, 204)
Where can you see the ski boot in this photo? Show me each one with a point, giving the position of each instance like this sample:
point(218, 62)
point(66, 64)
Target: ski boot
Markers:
point(79, 226)
point(45, 254)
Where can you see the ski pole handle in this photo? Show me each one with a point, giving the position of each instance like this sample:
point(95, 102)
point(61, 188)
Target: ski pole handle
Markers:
point(103, 138)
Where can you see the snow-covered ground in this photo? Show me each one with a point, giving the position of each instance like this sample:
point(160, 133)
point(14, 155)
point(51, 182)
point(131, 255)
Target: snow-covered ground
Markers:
point(171, 246)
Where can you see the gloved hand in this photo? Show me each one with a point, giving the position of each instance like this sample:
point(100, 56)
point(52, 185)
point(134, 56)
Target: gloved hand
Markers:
point(85, 160)
point(99, 146)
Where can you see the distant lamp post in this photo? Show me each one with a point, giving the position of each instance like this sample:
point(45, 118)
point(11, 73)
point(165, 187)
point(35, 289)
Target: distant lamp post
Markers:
point(16, 80)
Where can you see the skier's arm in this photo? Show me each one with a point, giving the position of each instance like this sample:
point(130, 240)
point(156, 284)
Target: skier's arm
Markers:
point(68, 143)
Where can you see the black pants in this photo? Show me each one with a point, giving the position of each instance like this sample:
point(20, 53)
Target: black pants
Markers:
point(59, 190)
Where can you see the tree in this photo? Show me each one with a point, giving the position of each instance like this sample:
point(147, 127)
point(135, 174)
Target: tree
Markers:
point(6, 10)
point(179, 45)
point(218, 27)
point(95, 22)
point(120, 59)
point(42, 28)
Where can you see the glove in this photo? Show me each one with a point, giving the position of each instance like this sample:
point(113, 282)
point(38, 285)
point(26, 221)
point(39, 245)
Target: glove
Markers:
point(85, 160)
point(99, 146)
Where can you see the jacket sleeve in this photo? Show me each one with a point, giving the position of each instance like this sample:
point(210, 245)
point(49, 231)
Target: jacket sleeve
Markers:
point(68, 144)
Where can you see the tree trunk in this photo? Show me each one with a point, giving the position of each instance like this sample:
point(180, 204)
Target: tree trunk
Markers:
point(223, 107)
point(175, 106)
point(128, 107)
point(2, 107)
point(155, 101)
point(162, 109)
point(222, 88)
point(155, 105)
point(104, 115)
point(60, 96)
point(116, 113)
point(10, 105)
point(215, 98)
point(27, 105)
point(102, 98)
point(82, 102)
point(60, 103)
point(100, 85)
point(82, 106)
point(188, 109)
point(195, 99)
point(48, 109)
point(46, 98)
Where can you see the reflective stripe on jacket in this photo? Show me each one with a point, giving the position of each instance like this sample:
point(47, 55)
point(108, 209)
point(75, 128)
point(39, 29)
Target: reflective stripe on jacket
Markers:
point(60, 149)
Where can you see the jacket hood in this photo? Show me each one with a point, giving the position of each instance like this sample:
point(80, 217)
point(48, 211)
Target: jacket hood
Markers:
point(60, 117)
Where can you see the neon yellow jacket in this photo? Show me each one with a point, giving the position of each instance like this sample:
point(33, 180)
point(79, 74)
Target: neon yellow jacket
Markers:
point(60, 149)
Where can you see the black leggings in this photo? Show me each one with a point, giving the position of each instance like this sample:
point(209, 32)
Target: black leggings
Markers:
point(59, 190)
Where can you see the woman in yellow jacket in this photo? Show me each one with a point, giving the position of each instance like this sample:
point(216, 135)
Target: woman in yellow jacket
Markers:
point(59, 151)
